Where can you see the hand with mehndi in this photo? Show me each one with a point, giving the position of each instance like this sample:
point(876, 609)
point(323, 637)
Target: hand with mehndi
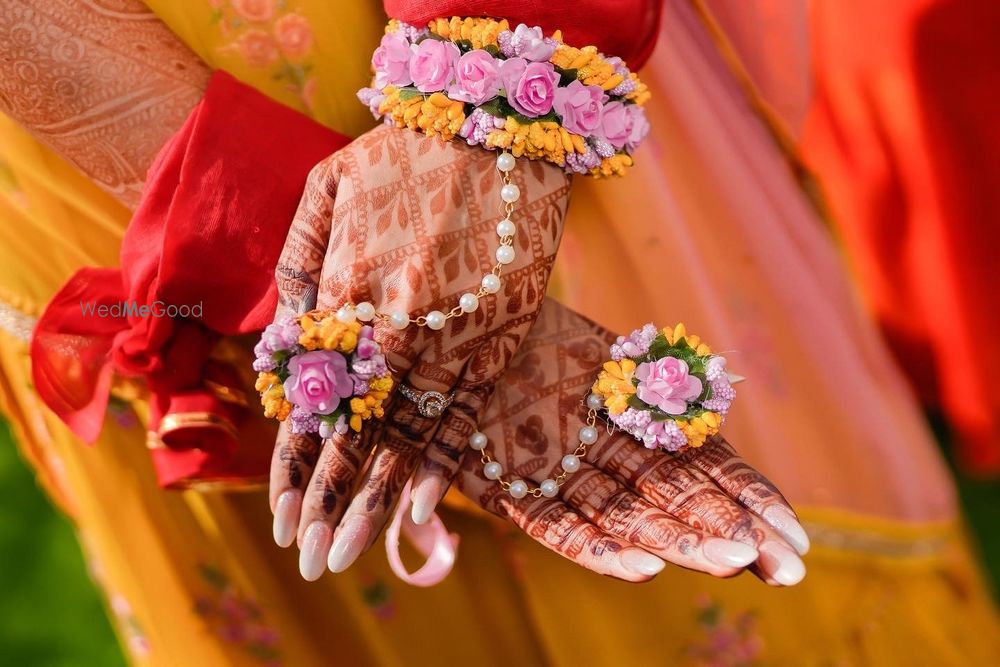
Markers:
point(409, 224)
point(628, 510)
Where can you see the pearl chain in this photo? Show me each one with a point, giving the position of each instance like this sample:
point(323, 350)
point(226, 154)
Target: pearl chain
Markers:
point(468, 302)
point(570, 463)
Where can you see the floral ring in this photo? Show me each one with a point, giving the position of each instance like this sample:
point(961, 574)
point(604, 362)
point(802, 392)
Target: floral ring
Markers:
point(665, 388)
point(321, 374)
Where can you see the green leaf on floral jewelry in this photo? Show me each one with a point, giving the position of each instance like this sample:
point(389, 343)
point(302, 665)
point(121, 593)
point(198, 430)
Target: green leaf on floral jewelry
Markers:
point(637, 403)
point(566, 76)
point(659, 347)
point(465, 45)
point(492, 49)
point(408, 93)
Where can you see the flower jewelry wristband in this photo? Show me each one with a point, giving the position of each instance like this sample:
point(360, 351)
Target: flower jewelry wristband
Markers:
point(515, 90)
point(663, 387)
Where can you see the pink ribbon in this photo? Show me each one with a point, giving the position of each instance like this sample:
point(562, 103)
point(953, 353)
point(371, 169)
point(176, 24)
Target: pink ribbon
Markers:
point(431, 540)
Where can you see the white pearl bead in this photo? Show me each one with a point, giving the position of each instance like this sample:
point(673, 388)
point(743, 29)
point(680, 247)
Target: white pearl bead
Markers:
point(510, 193)
point(595, 402)
point(491, 283)
point(478, 441)
point(505, 254)
point(518, 489)
point(346, 315)
point(506, 228)
point(570, 463)
point(588, 435)
point(365, 311)
point(469, 302)
point(436, 320)
point(505, 162)
point(549, 488)
point(492, 470)
point(399, 319)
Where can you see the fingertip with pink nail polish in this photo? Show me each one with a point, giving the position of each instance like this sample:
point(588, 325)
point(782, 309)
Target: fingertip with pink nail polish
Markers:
point(728, 553)
point(642, 562)
point(781, 563)
point(349, 542)
point(425, 497)
point(286, 517)
point(315, 546)
point(783, 521)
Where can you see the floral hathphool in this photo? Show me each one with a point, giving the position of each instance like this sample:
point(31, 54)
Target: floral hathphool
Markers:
point(515, 90)
point(323, 375)
point(665, 388)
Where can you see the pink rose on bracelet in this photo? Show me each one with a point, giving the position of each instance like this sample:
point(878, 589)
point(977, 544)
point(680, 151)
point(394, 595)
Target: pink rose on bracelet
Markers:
point(616, 124)
point(317, 381)
point(580, 107)
point(391, 62)
point(477, 78)
point(640, 126)
point(531, 87)
point(432, 66)
point(667, 385)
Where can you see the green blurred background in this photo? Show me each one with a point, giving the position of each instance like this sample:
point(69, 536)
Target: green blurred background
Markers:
point(51, 614)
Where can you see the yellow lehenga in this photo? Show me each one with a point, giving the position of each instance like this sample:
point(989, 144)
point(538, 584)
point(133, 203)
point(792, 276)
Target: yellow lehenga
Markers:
point(194, 578)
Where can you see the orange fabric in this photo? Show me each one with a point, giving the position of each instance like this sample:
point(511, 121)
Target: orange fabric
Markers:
point(903, 134)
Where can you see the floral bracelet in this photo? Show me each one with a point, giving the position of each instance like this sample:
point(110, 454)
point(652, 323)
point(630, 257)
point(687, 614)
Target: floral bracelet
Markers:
point(515, 90)
point(665, 388)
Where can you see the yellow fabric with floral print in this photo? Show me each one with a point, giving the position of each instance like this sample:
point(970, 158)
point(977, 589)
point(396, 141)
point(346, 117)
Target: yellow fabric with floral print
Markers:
point(194, 578)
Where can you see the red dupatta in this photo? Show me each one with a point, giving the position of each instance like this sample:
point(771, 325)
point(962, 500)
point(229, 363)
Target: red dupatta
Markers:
point(205, 238)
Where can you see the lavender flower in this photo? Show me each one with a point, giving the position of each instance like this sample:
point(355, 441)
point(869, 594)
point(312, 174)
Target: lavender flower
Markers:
point(366, 369)
point(478, 125)
point(583, 163)
point(602, 148)
point(301, 421)
point(372, 99)
point(411, 32)
point(636, 345)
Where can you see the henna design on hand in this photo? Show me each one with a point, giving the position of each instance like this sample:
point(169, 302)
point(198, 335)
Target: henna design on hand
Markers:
point(102, 82)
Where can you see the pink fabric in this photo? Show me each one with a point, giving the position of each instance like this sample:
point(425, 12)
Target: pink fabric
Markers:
point(746, 263)
point(432, 540)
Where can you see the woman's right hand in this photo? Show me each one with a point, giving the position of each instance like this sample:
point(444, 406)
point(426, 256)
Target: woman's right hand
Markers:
point(628, 510)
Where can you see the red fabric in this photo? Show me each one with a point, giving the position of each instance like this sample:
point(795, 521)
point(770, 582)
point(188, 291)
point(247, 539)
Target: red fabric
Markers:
point(903, 133)
point(213, 218)
point(623, 28)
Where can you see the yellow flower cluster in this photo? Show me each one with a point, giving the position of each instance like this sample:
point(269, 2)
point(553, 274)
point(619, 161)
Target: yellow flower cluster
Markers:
point(593, 70)
point(370, 405)
point(615, 384)
point(328, 333)
point(677, 333)
point(546, 140)
point(697, 429)
point(272, 396)
point(434, 114)
point(481, 32)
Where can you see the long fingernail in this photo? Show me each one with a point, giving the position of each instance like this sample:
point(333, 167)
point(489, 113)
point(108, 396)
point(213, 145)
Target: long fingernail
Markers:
point(788, 527)
point(729, 553)
point(286, 517)
point(781, 563)
point(350, 541)
point(425, 498)
point(642, 562)
point(315, 545)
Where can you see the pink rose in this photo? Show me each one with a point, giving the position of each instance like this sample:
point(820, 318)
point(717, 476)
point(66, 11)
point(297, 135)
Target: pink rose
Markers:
point(640, 126)
point(477, 78)
point(317, 381)
point(254, 10)
point(531, 87)
point(666, 384)
point(580, 107)
point(294, 35)
point(391, 62)
point(530, 44)
point(258, 48)
point(616, 124)
point(432, 66)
